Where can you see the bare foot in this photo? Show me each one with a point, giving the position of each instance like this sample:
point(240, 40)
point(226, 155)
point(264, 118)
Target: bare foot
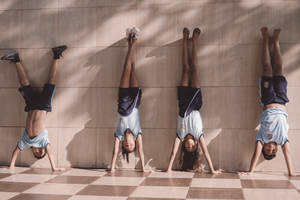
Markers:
point(276, 34)
point(264, 32)
point(196, 33)
point(186, 33)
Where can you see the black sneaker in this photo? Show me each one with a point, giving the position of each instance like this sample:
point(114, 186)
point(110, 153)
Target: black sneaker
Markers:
point(12, 57)
point(57, 51)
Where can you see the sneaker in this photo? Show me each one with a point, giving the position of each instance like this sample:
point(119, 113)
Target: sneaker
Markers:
point(12, 57)
point(135, 32)
point(57, 51)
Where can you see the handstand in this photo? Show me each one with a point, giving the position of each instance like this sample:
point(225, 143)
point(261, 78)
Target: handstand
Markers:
point(273, 129)
point(37, 105)
point(190, 129)
point(128, 131)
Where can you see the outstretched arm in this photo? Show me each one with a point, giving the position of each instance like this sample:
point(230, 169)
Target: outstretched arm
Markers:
point(115, 154)
point(173, 154)
point(141, 151)
point(51, 159)
point(207, 156)
point(14, 158)
point(288, 160)
point(255, 157)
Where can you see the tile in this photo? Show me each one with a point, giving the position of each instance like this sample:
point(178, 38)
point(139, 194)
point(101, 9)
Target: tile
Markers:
point(119, 181)
point(76, 65)
point(56, 189)
point(173, 174)
point(77, 3)
point(158, 66)
point(87, 197)
point(42, 171)
point(40, 197)
point(293, 113)
point(30, 178)
point(211, 193)
point(215, 183)
point(102, 190)
point(4, 170)
point(15, 187)
point(265, 176)
point(173, 182)
point(275, 194)
point(160, 192)
point(73, 179)
point(276, 184)
point(118, 17)
point(8, 75)
point(11, 27)
point(296, 183)
point(127, 173)
point(41, 22)
point(80, 33)
point(36, 4)
point(151, 198)
point(70, 139)
point(290, 60)
point(4, 175)
point(7, 195)
point(85, 172)
point(222, 176)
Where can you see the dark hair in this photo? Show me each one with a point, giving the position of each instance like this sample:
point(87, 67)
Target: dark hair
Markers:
point(268, 157)
point(189, 160)
point(39, 157)
point(125, 153)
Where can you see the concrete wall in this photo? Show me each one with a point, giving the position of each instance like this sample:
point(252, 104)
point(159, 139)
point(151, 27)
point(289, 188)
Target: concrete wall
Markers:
point(84, 113)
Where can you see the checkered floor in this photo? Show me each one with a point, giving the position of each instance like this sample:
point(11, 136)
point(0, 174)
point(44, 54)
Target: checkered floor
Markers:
point(82, 184)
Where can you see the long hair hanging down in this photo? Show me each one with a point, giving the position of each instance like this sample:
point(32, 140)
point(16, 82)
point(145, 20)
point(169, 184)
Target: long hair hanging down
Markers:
point(125, 153)
point(189, 160)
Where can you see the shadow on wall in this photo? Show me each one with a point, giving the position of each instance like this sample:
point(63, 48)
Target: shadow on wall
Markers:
point(226, 36)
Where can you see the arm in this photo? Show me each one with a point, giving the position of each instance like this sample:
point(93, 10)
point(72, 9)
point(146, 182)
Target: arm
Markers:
point(14, 158)
point(287, 156)
point(173, 154)
point(206, 155)
point(141, 151)
point(115, 154)
point(51, 159)
point(256, 155)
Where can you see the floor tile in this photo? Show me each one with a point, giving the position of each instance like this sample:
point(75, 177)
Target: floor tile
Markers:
point(17, 170)
point(4, 175)
point(185, 182)
point(7, 195)
point(105, 190)
point(15, 187)
point(216, 183)
point(61, 189)
point(126, 181)
point(73, 179)
point(265, 176)
point(173, 174)
point(160, 192)
point(223, 175)
point(40, 197)
point(128, 173)
point(296, 183)
point(85, 172)
point(152, 198)
point(29, 178)
point(86, 197)
point(41, 171)
point(210, 193)
point(274, 194)
point(278, 184)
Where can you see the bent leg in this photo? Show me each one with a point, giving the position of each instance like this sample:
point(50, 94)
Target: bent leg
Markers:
point(22, 75)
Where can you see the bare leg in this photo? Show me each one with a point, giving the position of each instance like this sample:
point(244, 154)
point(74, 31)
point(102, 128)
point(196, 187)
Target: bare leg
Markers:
point(23, 78)
point(277, 59)
point(125, 78)
point(194, 82)
point(133, 80)
point(53, 71)
point(266, 59)
point(185, 64)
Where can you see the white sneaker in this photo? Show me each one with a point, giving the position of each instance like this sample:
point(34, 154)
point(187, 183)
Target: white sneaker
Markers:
point(135, 31)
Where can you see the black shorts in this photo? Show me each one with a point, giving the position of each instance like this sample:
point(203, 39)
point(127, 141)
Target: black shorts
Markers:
point(273, 90)
point(189, 99)
point(129, 98)
point(38, 100)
